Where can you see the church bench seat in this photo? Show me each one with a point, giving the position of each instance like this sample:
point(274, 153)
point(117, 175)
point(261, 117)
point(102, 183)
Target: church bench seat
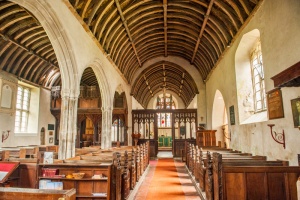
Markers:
point(216, 178)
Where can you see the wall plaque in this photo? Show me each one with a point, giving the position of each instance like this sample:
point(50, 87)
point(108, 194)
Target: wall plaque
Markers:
point(232, 117)
point(6, 97)
point(295, 103)
point(275, 106)
point(50, 126)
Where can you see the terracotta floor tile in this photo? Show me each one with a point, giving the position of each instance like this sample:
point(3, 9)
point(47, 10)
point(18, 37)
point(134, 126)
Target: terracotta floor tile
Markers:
point(187, 186)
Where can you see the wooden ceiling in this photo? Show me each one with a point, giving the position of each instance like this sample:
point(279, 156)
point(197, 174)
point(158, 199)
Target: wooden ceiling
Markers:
point(164, 76)
point(25, 49)
point(131, 32)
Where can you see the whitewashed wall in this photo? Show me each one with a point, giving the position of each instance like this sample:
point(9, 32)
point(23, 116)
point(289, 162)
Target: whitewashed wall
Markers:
point(278, 23)
point(7, 120)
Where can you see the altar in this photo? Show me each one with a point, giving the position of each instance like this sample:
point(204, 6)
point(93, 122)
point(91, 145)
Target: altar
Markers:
point(165, 141)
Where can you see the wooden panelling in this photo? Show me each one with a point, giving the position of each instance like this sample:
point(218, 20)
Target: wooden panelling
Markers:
point(234, 191)
point(31, 194)
point(28, 175)
point(257, 182)
point(276, 188)
point(206, 138)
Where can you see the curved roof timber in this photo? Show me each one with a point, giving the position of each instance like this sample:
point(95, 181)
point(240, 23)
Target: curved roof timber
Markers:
point(132, 32)
point(169, 27)
point(26, 50)
point(162, 76)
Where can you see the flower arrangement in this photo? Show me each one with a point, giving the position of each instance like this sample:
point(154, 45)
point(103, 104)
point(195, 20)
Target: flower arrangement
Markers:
point(135, 135)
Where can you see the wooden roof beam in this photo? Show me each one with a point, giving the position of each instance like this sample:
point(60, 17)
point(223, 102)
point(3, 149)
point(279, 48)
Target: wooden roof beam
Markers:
point(28, 50)
point(165, 5)
point(84, 9)
point(127, 30)
point(202, 29)
point(94, 11)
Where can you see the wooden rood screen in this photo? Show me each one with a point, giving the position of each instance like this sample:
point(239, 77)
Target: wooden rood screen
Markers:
point(167, 126)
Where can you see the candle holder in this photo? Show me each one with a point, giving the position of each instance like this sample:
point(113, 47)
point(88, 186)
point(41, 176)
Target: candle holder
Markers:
point(5, 135)
point(278, 137)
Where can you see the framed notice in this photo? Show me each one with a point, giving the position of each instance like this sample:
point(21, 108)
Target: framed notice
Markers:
point(295, 103)
point(231, 114)
point(275, 106)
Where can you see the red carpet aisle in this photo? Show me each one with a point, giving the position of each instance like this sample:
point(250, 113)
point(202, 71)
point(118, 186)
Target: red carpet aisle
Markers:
point(164, 182)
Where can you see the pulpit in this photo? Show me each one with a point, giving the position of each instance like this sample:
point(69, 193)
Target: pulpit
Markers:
point(206, 138)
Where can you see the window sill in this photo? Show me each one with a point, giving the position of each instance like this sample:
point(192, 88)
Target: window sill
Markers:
point(257, 117)
point(25, 134)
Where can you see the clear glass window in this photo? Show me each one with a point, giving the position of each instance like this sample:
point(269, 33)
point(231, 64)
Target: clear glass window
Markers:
point(258, 78)
point(22, 109)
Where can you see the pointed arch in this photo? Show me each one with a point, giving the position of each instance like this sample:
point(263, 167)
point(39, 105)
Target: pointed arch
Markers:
point(68, 69)
point(246, 110)
point(107, 102)
point(219, 118)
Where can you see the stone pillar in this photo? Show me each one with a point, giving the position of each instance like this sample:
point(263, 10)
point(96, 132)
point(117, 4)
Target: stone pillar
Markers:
point(68, 130)
point(106, 127)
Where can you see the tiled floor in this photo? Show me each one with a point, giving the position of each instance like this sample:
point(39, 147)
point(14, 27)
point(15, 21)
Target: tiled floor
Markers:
point(187, 185)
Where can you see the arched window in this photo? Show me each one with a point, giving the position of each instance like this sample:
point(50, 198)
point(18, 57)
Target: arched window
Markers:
point(251, 95)
point(164, 102)
point(258, 78)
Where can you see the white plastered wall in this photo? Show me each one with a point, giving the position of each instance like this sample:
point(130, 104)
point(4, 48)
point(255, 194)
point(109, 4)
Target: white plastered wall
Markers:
point(278, 24)
point(7, 120)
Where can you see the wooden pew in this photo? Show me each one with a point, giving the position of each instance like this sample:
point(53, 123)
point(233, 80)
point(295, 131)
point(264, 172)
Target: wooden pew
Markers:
point(13, 153)
point(125, 167)
point(131, 163)
point(215, 173)
point(127, 163)
point(193, 160)
point(233, 158)
point(29, 194)
point(230, 158)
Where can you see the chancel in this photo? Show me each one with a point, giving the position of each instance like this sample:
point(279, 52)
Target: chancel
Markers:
point(164, 99)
